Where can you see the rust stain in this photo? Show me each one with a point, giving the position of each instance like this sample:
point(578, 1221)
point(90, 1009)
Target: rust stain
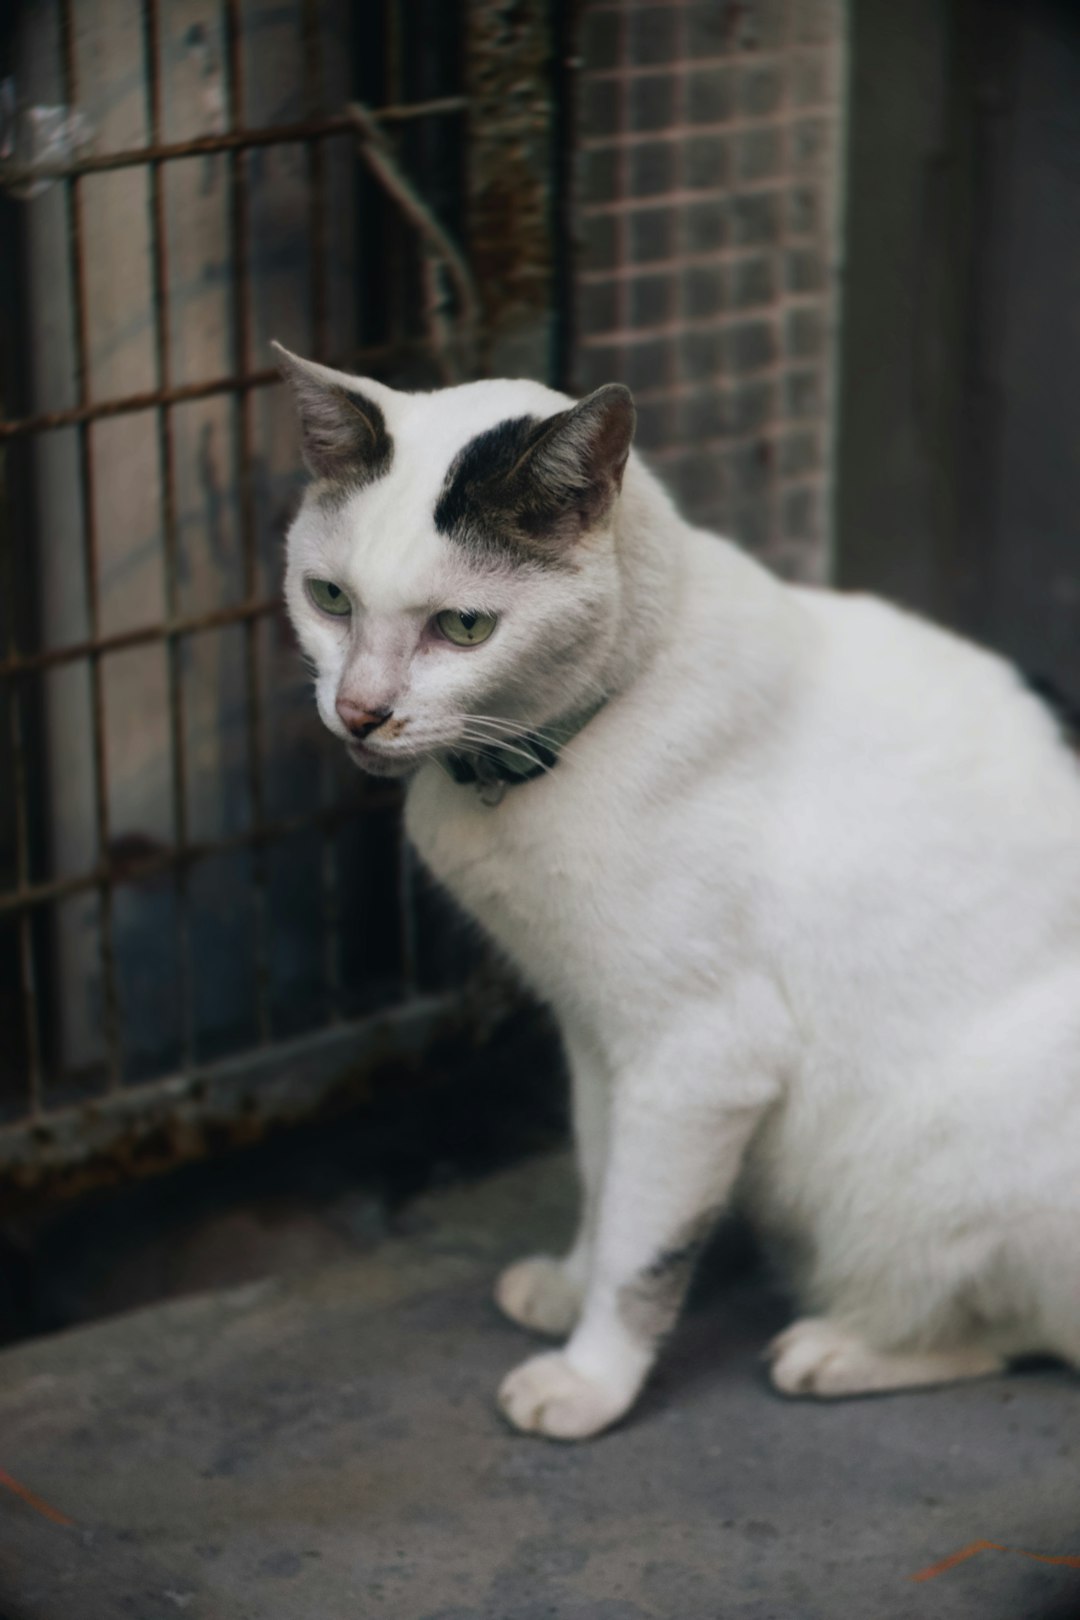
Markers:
point(32, 1500)
point(510, 143)
point(1066, 1561)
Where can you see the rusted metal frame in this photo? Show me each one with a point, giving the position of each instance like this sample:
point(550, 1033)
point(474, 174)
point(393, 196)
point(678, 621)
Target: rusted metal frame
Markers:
point(159, 258)
point(21, 427)
point(154, 862)
point(137, 157)
point(239, 219)
point(161, 1123)
point(20, 786)
point(406, 888)
point(77, 272)
point(18, 663)
point(510, 135)
point(321, 348)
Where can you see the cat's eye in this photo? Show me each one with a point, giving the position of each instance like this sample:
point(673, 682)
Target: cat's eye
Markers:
point(328, 597)
point(465, 629)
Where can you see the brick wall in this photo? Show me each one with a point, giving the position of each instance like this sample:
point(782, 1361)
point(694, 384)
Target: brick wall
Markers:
point(706, 201)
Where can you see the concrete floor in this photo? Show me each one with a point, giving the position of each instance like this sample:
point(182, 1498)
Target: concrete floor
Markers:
point(325, 1446)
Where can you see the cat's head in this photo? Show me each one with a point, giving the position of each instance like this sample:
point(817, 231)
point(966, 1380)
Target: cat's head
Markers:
point(452, 571)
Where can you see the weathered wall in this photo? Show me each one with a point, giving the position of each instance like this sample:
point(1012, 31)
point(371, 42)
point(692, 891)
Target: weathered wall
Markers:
point(707, 201)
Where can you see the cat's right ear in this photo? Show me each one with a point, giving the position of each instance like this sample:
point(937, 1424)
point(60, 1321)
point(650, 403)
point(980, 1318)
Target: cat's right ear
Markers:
point(342, 428)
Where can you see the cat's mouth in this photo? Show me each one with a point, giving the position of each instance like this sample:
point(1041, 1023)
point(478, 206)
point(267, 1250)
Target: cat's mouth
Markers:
point(382, 764)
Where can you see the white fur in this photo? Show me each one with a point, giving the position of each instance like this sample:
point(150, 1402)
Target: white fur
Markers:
point(804, 897)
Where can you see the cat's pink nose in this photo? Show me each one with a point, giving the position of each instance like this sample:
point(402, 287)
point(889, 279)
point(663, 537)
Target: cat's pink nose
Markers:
point(360, 721)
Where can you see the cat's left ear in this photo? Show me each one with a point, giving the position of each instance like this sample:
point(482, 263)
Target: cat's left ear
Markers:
point(342, 426)
point(577, 459)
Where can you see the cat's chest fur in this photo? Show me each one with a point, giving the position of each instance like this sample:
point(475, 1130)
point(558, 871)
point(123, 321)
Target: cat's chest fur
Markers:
point(593, 905)
point(528, 870)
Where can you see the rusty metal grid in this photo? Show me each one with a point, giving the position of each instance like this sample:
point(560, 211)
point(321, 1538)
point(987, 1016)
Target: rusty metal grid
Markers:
point(40, 1131)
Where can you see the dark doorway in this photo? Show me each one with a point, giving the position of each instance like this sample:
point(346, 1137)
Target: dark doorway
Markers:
point(959, 470)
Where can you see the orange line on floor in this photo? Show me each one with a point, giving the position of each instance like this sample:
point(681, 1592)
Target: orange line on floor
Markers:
point(1065, 1560)
point(34, 1501)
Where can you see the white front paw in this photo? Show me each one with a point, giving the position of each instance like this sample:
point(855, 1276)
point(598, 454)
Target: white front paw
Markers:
point(549, 1396)
point(538, 1294)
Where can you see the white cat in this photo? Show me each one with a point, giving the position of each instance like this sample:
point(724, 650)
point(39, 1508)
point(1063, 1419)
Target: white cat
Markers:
point(798, 873)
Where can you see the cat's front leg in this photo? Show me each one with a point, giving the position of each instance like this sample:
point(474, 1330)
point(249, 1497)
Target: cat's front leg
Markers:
point(675, 1150)
point(544, 1292)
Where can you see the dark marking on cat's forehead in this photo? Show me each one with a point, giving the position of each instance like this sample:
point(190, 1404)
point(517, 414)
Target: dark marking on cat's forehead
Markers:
point(482, 506)
point(527, 488)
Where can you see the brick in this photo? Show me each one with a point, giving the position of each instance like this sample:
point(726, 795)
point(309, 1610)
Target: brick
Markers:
point(753, 281)
point(651, 299)
point(799, 513)
point(599, 243)
point(804, 333)
point(699, 480)
point(760, 154)
point(799, 453)
point(756, 219)
point(656, 425)
point(753, 404)
point(750, 467)
point(703, 415)
point(652, 102)
point(804, 271)
point(813, 78)
point(652, 169)
point(598, 364)
point(648, 365)
point(652, 234)
point(598, 307)
point(601, 39)
point(705, 225)
point(802, 393)
point(709, 28)
point(763, 25)
point(761, 89)
point(710, 96)
point(598, 107)
point(704, 290)
point(600, 179)
point(702, 355)
point(804, 210)
point(810, 144)
point(706, 162)
point(751, 345)
point(817, 22)
point(654, 35)
point(751, 524)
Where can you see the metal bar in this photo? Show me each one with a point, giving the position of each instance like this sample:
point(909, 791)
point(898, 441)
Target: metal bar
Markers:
point(76, 251)
point(160, 1123)
point(112, 871)
point(27, 976)
point(144, 635)
point(374, 355)
point(159, 258)
point(228, 141)
point(239, 226)
point(320, 338)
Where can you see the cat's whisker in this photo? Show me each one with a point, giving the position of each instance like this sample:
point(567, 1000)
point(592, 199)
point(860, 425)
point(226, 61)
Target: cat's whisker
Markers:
point(487, 742)
point(549, 738)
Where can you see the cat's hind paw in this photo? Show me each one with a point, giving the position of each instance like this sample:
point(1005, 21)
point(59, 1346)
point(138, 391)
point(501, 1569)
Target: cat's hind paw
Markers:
point(548, 1396)
point(818, 1357)
point(538, 1294)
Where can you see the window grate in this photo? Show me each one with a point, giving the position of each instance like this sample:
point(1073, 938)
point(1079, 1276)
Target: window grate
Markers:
point(209, 877)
